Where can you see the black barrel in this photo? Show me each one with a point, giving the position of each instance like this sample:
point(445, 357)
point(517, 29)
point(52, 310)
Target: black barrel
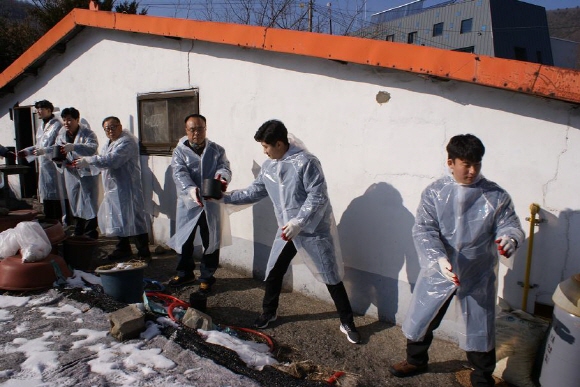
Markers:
point(211, 189)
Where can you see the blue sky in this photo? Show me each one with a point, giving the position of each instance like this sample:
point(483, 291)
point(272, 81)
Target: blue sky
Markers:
point(179, 7)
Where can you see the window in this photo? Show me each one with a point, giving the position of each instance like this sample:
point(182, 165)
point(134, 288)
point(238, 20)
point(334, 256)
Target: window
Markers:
point(520, 53)
point(412, 37)
point(438, 29)
point(466, 26)
point(390, 38)
point(470, 49)
point(539, 57)
point(161, 118)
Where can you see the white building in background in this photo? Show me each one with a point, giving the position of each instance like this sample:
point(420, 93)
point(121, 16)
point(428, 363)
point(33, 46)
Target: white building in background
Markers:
point(377, 114)
point(509, 29)
point(565, 52)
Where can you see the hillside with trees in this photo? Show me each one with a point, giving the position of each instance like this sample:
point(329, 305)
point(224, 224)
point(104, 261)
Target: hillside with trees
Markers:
point(23, 22)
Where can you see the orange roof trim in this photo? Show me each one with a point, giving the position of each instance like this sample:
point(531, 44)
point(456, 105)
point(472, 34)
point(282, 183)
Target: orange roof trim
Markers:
point(525, 77)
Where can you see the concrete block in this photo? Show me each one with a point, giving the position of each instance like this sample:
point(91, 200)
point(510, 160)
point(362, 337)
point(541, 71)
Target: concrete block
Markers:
point(197, 320)
point(127, 323)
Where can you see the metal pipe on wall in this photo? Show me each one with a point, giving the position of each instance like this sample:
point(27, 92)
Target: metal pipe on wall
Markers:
point(534, 210)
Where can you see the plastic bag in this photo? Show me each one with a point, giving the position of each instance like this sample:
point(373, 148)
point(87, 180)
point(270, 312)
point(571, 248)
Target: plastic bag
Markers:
point(34, 244)
point(8, 243)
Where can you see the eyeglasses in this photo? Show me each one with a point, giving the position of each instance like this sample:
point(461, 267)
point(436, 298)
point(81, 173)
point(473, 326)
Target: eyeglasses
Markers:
point(110, 127)
point(197, 129)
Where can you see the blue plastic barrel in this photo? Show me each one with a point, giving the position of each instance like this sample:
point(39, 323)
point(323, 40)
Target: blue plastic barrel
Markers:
point(123, 284)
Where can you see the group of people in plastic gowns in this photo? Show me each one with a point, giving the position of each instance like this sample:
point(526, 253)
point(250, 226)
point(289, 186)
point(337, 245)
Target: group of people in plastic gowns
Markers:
point(293, 179)
point(463, 223)
point(69, 167)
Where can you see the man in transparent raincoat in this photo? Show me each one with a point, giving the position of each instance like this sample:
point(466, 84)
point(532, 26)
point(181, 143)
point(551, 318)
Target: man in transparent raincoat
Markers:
point(294, 181)
point(76, 140)
point(462, 221)
point(122, 211)
point(50, 182)
point(196, 158)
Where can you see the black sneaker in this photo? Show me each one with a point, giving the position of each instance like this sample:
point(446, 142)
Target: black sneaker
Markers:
point(351, 333)
point(264, 319)
point(205, 286)
point(204, 289)
point(181, 280)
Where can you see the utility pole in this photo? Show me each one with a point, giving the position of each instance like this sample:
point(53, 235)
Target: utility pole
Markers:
point(310, 7)
point(329, 5)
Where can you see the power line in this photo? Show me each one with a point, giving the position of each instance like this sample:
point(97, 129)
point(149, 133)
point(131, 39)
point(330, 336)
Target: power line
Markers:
point(342, 17)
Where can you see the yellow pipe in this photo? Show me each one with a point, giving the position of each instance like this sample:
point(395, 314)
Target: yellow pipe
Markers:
point(534, 209)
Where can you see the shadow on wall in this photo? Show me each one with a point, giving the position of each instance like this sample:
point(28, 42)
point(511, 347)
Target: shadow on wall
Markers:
point(376, 241)
point(168, 198)
point(553, 259)
point(265, 228)
point(167, 194)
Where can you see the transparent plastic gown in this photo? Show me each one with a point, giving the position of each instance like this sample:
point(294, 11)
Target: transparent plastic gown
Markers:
point(81, 185)
point(122, 211)
point(461, 223)
point(49, 180)
point(297, 188)
point(189, 171)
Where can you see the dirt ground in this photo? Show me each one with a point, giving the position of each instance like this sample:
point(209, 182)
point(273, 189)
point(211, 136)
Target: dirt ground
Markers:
point(306, 335)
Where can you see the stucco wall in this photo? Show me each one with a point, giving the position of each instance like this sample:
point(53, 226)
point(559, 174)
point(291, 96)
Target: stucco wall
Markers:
point(377, 157)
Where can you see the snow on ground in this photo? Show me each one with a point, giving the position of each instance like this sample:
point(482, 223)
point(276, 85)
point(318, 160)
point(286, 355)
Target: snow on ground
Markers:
point(49, 340)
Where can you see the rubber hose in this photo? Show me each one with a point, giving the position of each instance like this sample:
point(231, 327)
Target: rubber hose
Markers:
point(334, 378)
point(257, 333)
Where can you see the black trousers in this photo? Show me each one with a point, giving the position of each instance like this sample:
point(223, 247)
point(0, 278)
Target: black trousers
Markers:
point(53, 211)
point(209, 262)
point(275, 280)
point(483, 363)
point(86, 227)
point(141, 243)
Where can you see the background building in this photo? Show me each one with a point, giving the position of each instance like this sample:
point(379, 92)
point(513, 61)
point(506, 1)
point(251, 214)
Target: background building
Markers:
point(508, 29)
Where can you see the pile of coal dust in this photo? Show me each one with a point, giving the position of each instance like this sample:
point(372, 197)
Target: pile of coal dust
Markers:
point(189, 339)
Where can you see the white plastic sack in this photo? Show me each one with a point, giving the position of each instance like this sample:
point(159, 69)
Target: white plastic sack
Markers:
point(34, 244)
point(8, 243)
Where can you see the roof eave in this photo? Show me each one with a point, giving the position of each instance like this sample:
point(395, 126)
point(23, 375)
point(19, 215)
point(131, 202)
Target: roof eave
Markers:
point(525, 77)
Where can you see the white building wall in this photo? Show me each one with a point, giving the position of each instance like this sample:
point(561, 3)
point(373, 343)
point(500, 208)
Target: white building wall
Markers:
point(565, 52)
point(377, 157)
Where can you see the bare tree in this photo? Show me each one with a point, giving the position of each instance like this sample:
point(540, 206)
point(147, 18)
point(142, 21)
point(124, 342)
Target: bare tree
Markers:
point(130, 7)
point(288, 14)
point(50, 12)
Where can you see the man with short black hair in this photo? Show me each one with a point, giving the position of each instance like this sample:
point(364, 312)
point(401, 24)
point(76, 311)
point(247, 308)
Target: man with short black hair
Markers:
point(293, 179)
point(462, 222)
point(77, 140)
point(50, 182)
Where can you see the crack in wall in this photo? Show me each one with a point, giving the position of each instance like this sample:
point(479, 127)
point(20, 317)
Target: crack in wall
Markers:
point(564, 216)
point(545, 187)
